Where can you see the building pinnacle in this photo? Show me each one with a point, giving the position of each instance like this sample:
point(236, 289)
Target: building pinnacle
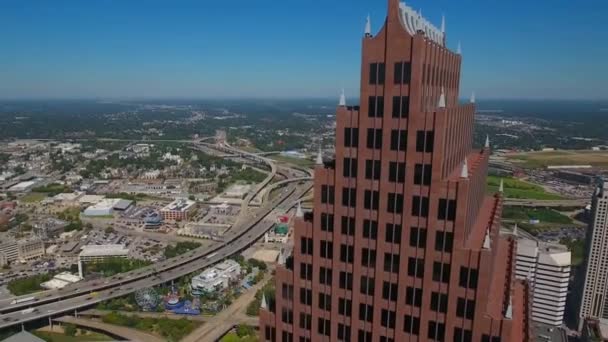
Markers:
point(368, 27)
point(443, 23)
point(501, 187)
point(441, 103)
point(459, 49)
point(472, 97)
point(342, 99)
point(486, 240)
point(299, 212)
point(509, 312)
point(487, 145)
point(263, 304)
point(464, 172)
point(319, 157)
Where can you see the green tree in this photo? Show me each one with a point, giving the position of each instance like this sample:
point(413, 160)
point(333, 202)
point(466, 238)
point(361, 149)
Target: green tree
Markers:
point(69, 329)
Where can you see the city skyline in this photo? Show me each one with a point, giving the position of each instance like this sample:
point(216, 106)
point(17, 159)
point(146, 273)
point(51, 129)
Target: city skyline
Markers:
point(238, 49)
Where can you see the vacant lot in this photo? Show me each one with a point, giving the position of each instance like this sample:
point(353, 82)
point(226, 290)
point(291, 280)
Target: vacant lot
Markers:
point(515, 188)
point(33, 197)
point(561, 157)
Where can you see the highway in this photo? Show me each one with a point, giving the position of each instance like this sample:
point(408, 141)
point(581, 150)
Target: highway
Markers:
point(85, 294)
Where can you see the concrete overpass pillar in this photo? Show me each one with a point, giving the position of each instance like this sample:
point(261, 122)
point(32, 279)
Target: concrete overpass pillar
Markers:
point(80, 273)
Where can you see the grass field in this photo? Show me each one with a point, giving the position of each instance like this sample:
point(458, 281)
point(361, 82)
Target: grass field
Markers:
point(562, 157)
point(33, 197)
point(293, 161)
point(515, 188)
point(58, 337)
point(524, 214)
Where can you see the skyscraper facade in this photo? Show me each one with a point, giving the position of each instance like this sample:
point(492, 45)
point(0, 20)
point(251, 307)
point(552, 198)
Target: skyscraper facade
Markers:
point(403, 244)
point(594, 302)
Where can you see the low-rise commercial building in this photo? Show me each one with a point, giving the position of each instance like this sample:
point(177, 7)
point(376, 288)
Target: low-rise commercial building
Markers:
point(92, 253)
point(9, 250)
point(178, 210)
point(60, 280)
point(31, 249)
point(547, 268)
point(216, 278)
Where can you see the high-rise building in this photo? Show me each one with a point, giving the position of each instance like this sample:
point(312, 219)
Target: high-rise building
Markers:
point(594, 301)
point(403, 244)
point(547, 268)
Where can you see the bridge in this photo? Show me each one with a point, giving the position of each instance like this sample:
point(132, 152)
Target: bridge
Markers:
point(546, 203)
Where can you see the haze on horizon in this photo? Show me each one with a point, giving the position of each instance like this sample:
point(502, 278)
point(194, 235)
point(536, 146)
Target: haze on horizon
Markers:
point(270, 49)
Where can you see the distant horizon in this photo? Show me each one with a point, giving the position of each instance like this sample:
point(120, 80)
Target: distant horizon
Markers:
point(286, 98)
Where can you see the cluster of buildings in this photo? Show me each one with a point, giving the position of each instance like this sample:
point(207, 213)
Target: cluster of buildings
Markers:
point(21, 250)
point(216, 278)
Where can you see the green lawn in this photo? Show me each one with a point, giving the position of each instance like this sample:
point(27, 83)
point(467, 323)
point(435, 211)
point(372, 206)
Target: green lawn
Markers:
point(524, 214)
point(58, 337)
point(33, 197)
point(515, 188)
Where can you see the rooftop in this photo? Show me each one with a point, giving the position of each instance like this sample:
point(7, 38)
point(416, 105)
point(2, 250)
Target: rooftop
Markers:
point(180, 204)
point(103, 250)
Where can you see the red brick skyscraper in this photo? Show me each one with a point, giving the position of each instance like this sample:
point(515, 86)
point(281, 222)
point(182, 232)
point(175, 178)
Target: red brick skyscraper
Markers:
point(403, 243)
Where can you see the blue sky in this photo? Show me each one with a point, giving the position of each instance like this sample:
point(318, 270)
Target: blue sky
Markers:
point(270, 48)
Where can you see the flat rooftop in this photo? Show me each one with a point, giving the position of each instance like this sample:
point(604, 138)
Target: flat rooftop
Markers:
point(103, 250)
point(180, 204)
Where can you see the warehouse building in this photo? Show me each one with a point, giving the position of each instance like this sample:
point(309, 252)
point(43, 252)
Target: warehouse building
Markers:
point(178, 210)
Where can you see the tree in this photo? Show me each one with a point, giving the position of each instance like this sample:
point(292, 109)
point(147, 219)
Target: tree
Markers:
point(109, 230)
point(69, 330)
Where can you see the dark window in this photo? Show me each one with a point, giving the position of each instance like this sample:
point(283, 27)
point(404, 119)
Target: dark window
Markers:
point(325, 275)
point(441, 272)
point(374, 138)
point(488, 338)
point(413, 296)
point(415, 267)
point(402, 72)
point(444, 241)
point(364, 336)
point(398, 140)
point(327, 249)
point(465, 308)
point(287, 336)
point(343, 332)
point(324, 327)
point(417, 237)
point(350, 167)
point(411, 325)
point(346, 253)
point(286, 316)
point(463, 335)
point(371, 199)
point(368, 257)
point(396, 172)
point(381, 73)
point(348, 225)
point(373, 73)
point(305, 321)
point(395, 203)
point(436, 331)
point(446, 210)
point(367, 286)
point(327, 194)
point(389, 291)
point(366, 312)
point(388, 318)
point(306, 245)
point(386, 339)
point(391, 262)
point(346, 280)
point(376, 107)
point(305, 339)
point(349, 197)
point(345, 307)
point(287, 292)
point(468, 278)
point(439, 302)
point(425, 141)
point(393, 233)
point(422, 174)
point(305, 296)
point(327, 222)
point(351, 137)
point(420, 206)
point(306, 271)
point(370, 229)
point(401, 106)
point(372, 169)
point(324, 302)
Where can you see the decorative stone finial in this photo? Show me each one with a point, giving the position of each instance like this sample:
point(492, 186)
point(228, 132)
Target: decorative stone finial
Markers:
point(459, 49)
point(441, 103)
point(509, 312)
point(368, 27)
point(501, 187)
point(486, 240)
point(299, 211)
point(487, 145)
point(342, 99)
point(443, 23)
point(264, 304)
point(472, 97)
point(320, 157)
point(464, 172)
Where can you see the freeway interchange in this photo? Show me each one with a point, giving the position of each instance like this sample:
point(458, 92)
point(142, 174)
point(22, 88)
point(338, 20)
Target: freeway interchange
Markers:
point(85, 294)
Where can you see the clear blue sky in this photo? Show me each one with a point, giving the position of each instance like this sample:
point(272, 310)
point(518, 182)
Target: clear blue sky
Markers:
point(272, 48)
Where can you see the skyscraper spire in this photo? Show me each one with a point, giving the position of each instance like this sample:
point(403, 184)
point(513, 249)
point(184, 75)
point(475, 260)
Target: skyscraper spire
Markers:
point(472, 97)
point(501, 187)
point(320, 157)
point(368, 27)
point(464, 172)
point(342, 99)
point(299, 212)
point(486, 240)
point(441, 103)
point(443, 23)
point(459, 49)
point(487, 145)
point(263, 304)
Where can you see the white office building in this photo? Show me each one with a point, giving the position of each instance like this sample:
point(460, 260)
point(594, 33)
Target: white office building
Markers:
point(594, 299)
point(547, 268)
point(100, 252)
point(216, 278)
